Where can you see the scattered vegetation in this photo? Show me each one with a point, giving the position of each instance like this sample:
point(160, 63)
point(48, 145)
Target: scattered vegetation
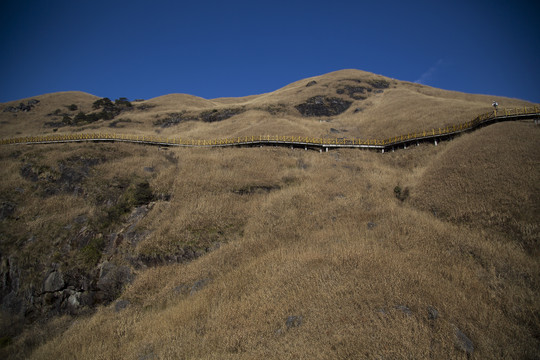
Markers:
point(354, 92)
point(220, 114)
point(119, 123)
point(108, 111)
point(91, 253)
point(175, 119)
point(213, 115)
point(401, 194)
point(379, 83)
point(276, 109)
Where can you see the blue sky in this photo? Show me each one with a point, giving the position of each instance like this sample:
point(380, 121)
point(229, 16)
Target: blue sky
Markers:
point(143, 49)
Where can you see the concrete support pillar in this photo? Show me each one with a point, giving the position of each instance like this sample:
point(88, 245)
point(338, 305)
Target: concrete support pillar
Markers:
point(405, 146)
point(382, 151)
point(326, 150)
point(435, 142)
point(305, 148)
point(418, 143)
point(320, 150)
point(393, 149)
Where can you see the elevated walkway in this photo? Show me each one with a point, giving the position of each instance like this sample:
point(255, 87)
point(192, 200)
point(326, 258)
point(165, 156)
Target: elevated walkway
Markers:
point(390, 144)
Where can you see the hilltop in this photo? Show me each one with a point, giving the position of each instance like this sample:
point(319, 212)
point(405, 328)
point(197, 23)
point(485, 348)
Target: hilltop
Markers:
point(117, 250)
point(346, 103)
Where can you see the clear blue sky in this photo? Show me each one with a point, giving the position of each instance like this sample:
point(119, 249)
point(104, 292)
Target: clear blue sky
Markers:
point(143, 49)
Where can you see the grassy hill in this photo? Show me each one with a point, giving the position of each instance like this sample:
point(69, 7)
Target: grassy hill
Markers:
point(127, 251)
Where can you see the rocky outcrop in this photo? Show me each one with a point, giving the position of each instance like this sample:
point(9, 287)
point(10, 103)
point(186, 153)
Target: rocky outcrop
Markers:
point(54, 282)
point(66, 178)
point(323, 106)
point(111, 281)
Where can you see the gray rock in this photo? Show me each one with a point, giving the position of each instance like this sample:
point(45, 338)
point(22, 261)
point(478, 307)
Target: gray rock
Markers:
point(81, 219)
point(12, 304)
point(54, 282)
point(371, 225)
point(86, 298)
point(6, 209)
point(112, 279)
point(293, 321)
point(464, 343)
point(121, 305)
point(404, 309)
point(311, 83)
point(198, 285)
point(433, 314)
point(73, 300)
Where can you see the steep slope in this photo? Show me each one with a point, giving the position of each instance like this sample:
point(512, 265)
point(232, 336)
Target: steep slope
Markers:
point(495, 187)
point(317, 259)
point(129, 251)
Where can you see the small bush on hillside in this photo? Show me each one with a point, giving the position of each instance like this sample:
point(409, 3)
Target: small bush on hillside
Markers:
point(67, 120)
point(401, 194)
point(91, 253)
point(122, 102)
point(136, 194)
point(80, 118)
point(104, 103)
point(72, 107)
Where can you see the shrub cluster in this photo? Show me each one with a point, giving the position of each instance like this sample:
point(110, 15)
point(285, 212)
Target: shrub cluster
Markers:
point(109, 110)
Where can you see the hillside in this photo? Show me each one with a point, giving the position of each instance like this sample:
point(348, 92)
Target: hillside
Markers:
point(346, 103)
point(126, 251)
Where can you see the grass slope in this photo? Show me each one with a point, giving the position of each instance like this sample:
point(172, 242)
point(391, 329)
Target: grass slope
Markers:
point(380, 107)
point(303, 255)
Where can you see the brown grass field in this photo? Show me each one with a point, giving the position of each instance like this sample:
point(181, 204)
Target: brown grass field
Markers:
point(298, 255)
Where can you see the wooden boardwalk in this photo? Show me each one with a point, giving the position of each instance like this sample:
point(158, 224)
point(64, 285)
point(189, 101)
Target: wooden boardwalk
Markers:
point(389, 144)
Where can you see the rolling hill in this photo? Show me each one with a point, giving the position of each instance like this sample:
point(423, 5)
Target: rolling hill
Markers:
point(121, 251)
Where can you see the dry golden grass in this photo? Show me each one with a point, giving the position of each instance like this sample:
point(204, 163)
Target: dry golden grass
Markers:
point(306, 250)
point(401, 108)
point(480, 190)
point(318, 237)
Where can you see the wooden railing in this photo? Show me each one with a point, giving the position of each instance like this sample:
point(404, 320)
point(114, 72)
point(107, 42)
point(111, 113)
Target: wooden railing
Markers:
point(299, 141)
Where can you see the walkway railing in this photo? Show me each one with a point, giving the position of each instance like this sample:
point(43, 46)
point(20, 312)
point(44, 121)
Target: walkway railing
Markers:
point(311, 142)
